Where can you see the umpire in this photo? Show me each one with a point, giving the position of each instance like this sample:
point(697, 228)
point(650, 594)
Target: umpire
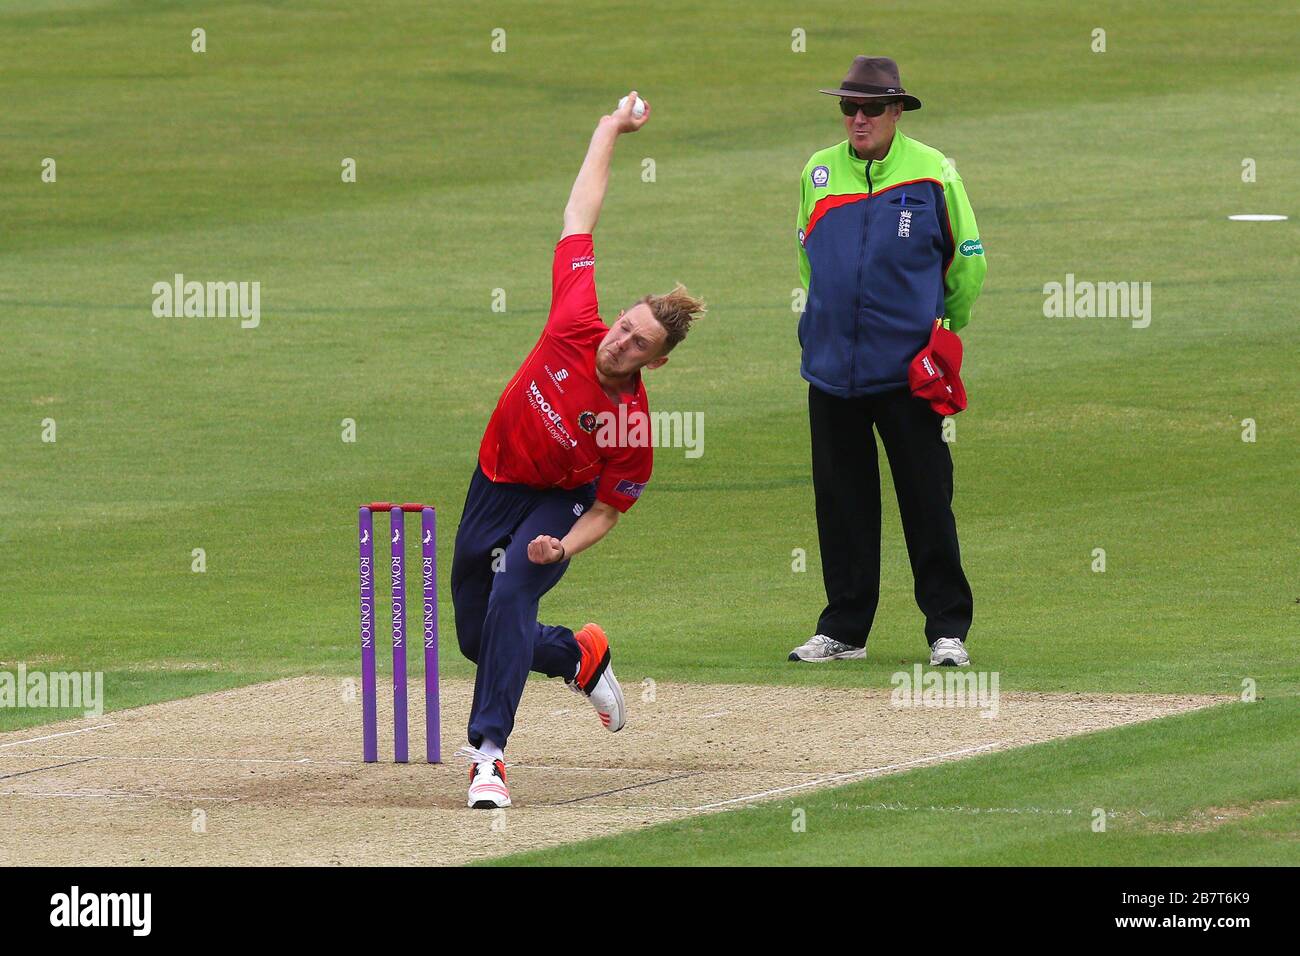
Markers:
point(887, 246)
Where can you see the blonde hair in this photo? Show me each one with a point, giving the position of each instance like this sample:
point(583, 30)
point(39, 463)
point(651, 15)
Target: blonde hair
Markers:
point(675, 310)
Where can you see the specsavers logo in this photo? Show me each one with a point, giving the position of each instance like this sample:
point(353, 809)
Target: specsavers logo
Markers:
point(971, 247)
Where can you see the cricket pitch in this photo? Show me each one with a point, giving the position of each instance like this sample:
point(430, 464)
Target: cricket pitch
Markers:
point(271, 774)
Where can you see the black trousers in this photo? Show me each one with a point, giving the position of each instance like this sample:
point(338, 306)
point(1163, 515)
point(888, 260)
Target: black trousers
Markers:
point(846, 481)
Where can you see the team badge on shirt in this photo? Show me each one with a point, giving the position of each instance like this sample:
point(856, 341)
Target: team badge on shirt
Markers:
point(587, 422)
point(821, 175)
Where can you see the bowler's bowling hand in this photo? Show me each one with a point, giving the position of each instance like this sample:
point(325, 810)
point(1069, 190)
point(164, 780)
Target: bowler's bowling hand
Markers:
point(544, 549)
point(623, 118)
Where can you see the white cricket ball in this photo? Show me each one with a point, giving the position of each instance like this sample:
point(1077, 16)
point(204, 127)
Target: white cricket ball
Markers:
point(638, 108)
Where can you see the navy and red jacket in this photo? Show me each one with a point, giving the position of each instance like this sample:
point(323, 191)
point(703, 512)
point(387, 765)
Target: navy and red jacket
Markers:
point(885, 248)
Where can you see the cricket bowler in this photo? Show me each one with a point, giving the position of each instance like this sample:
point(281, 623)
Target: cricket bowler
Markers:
point(554, 476)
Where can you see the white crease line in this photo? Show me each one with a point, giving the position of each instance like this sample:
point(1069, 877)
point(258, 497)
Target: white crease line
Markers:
point(110, 795)
point(840, 776)
point(105, 794)
point(299, 761)
point(66, 733)
point(336, 761)
point(561, 768)
point(614, 768)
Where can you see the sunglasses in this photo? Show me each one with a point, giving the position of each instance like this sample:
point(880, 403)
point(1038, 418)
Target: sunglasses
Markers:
point(873, 108)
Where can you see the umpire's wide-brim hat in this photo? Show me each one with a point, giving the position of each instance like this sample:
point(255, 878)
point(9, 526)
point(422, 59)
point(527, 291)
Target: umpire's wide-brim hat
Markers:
point(875, 77)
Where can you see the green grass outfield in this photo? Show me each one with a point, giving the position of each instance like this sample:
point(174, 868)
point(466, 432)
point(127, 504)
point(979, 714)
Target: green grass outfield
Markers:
point(177, 434)
point(1033, 806)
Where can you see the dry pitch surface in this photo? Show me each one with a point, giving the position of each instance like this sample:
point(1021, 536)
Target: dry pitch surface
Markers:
point(271, 774)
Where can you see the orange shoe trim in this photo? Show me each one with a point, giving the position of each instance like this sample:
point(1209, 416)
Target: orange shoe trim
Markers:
point(595, 655)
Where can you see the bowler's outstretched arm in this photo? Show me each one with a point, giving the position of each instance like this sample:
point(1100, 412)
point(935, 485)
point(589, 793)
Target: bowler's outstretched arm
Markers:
point(588, 193)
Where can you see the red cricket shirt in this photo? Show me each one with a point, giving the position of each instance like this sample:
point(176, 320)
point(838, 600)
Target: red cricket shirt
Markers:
point(554, 426)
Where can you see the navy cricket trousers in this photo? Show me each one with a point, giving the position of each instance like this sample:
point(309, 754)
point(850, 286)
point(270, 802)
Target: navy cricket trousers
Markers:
point(496, 590)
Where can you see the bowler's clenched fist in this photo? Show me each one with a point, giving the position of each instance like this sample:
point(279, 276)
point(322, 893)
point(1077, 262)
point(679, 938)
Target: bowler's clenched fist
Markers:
point(544, 549)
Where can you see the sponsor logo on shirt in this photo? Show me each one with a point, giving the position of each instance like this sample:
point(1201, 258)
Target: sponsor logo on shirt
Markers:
point(554, 421)
point(581, 262)
point(557, 377)
point(971, 247)
point(632, 489)
point(821, 175)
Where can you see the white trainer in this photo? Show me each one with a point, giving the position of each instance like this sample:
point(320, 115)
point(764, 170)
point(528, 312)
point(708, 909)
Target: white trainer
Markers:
point(948, 652)
point(820, 648)
point(487, 780)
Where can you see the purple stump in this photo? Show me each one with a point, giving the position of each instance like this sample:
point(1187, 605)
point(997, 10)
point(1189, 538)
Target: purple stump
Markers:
point(398, 529)
point(429, 577)
point(369, 738)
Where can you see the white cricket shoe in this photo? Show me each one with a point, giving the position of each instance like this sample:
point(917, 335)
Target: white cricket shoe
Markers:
point(948, 652)
point(820, 648)
point(595, 679)
point(487, 780)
